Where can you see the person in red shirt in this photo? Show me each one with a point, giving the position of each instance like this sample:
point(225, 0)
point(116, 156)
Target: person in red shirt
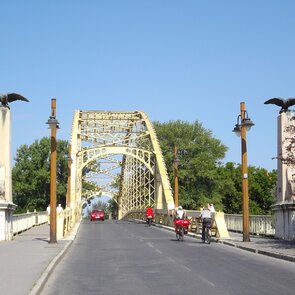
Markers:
point(149, 214)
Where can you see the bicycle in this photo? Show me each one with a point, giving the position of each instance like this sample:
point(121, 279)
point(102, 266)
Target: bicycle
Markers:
point(149, 220)
point(180, 233)
point(208, 233)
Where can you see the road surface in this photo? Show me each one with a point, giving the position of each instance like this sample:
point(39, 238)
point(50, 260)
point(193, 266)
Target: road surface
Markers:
point(126, 258)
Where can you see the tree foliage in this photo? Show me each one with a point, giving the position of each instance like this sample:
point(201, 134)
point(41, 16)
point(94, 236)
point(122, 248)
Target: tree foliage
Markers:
point(203, 178)
point(199, 154)
point(31, 175)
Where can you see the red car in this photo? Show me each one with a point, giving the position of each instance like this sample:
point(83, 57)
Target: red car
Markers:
point(97, 215)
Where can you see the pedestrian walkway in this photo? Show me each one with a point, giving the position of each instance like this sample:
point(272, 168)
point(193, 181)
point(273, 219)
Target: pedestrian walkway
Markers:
point(280, 249)
point(28, 260)
point(262, 245)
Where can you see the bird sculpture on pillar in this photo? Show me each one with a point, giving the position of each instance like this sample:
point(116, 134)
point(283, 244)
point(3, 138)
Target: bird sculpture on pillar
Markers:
point(283, 103)
point(10, 97)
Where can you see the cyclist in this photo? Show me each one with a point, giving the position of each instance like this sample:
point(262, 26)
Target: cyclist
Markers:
point(149, 214)
point(178, 221)
point(206, 219)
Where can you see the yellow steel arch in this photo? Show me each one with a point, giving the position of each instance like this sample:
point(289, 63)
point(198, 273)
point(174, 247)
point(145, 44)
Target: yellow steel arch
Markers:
point(120, 153)
point(90, 154)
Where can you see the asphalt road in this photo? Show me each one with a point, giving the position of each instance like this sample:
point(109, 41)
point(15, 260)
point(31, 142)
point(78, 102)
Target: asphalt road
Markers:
point(128, 258)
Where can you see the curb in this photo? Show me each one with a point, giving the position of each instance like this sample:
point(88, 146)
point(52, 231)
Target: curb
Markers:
point(261, 252)
point(39, 285)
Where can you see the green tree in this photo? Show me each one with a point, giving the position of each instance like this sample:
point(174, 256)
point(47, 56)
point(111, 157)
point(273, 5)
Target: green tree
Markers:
point(113, 207)
point(199, 154)
point(203, 178)
point(31, 175)
point(229, 188)
point(261, 184)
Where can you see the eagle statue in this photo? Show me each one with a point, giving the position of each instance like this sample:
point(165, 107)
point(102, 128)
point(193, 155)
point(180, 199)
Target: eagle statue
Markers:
point(5, 99)
point(283, 103)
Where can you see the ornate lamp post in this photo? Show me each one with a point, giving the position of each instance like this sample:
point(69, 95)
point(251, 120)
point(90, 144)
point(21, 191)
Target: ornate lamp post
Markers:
point(244, 124)
point(175, 166)
point(53, 125)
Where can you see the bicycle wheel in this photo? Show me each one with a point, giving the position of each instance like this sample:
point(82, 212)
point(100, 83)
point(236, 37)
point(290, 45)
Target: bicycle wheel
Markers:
point(208, 236)
point(149, 221)
point(177, 236)
point(181, 234)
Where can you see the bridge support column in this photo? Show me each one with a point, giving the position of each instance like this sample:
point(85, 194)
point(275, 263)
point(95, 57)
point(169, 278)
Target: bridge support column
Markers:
point(284, 208)
point(6, 204)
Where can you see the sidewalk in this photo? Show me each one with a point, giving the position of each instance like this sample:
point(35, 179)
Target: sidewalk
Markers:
point(280, 249)
point(28, 259)
point(262, 245)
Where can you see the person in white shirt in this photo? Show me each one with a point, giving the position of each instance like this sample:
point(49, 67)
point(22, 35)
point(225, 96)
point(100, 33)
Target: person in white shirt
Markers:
point(206, 218)
point(180, 214)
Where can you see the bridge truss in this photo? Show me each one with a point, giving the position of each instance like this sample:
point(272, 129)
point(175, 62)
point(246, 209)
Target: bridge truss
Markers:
point(117, 154)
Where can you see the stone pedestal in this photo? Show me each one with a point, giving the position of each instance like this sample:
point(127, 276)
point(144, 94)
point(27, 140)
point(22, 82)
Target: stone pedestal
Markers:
point(6, 205)
point(285, 221)
point(284, 208)
point(6, 230)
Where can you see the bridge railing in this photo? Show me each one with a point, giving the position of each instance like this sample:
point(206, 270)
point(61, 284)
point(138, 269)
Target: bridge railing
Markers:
point(259, 224)
point(25, 221)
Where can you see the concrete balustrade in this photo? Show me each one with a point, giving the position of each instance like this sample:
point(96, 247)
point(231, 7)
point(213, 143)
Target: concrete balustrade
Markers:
point(25, 221)
point(259, 224)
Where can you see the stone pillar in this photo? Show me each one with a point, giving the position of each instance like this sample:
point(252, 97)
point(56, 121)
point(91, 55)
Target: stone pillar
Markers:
point(5, 151)
point(284, 207)
point(6, 205)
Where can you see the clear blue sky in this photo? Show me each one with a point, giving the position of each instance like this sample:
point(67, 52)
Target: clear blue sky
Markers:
point(187, 60)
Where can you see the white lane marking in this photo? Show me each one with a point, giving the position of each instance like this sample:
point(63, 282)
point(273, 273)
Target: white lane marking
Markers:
point(179, 265)
point(153, 247)
point(206, 281)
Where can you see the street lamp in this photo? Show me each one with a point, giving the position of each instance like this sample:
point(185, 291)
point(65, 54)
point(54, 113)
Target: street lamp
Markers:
point(244, 124)
point(53, 125)
point(175, 166)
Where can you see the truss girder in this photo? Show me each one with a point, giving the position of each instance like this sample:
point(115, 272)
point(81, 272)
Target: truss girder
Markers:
point(88, 155)
point(118, 153)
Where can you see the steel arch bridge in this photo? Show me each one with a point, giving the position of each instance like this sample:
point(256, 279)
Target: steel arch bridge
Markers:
point(117, 154)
